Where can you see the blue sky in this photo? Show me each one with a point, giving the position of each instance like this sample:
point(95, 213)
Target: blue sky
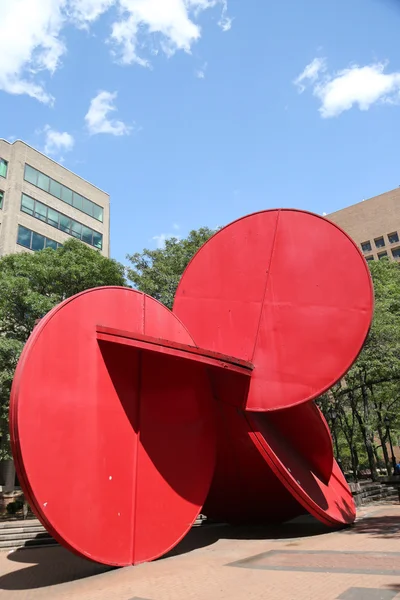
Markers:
point(196, 112)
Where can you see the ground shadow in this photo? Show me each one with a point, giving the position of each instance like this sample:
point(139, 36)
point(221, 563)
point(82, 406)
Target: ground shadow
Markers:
point(209, 533)
point(385, 527)
point(51, 566)
point(54, 565)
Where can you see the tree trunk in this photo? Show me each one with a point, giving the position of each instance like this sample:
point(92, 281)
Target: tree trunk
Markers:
point(369, 447)
point(382, 438)
point(9, 476)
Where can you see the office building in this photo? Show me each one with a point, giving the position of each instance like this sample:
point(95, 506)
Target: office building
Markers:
point(43, 204)
point(374, 225)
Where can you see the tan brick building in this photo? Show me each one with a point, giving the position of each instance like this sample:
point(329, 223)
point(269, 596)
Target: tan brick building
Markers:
point(43, 204)
point(374, 225)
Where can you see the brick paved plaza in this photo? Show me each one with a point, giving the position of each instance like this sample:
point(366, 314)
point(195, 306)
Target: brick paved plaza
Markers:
point(296, 561)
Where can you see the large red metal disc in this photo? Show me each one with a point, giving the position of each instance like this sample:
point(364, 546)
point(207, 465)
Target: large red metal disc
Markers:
point(288, 291)
point(115, 448)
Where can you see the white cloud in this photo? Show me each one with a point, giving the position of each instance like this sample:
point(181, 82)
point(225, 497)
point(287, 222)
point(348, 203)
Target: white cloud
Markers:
point(310, 73)
point(97, 118)
point(29, 43)
point(31, 34)
point(57, 141)
point(87, 11)
point(201, 73)
point(354, 86)
point(161, 239)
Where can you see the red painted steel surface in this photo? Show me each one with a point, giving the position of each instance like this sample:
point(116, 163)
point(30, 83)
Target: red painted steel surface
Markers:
point(127, 419)
point(285, 290)
point(118, 446)
point(290, 292)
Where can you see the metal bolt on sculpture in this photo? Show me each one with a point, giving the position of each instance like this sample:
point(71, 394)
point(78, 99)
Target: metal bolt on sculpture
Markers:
point(127, 419)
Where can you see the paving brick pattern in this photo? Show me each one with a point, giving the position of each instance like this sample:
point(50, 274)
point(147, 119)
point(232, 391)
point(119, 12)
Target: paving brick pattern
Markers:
point(309, 563)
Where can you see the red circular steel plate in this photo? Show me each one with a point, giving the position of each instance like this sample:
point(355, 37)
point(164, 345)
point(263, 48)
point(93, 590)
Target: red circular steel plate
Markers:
point(288, 291)
point(115, 448)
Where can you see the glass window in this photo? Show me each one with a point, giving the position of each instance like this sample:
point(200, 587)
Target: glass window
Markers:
point(60, 191)
point(379, 242)
point(87, 206)
point(34, 241)
point(27, 204)
point(24, 236)
point(1, 199)
point(55, 188)
point(366, 247)
point(30, 175)
point(396, 252)
point(51, 244)
point(97, 240)
point(40, 211)
point(3, 167)
point(52, 217)
point(393, 237)
point(77, 201)
point(98, 212)
point(43, 182)
point(76, 230)
point(382, 255)
point(87, 235)
point(369, 258)
point(56, 219)
point(66, 195)
point(65, 223)
point(37, 241)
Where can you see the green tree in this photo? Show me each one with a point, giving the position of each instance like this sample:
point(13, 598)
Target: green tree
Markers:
point(31, 285)
point(157, 272)
point(368, 397)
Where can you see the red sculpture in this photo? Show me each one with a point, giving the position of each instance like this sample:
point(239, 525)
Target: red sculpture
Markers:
point(127, 419)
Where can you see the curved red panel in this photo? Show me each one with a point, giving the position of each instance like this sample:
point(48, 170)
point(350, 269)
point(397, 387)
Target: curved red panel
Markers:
point(286, 290)
point(296, 445)
point(115, 448)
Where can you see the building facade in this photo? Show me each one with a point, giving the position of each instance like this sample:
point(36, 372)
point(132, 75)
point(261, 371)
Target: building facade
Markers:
point(43, 204)
point(374, 225)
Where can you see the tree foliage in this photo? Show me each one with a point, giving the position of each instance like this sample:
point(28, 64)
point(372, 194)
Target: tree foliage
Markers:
point(366, 402)
point(30, 286)
point(157, 272)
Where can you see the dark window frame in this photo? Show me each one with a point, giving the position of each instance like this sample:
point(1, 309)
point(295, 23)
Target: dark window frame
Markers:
point(367, 248)
point(378, 240)
point(3, 161)
point(383, 254)
point(80, 200)
point(393, 234)
point(46, 243)
point(68, 229)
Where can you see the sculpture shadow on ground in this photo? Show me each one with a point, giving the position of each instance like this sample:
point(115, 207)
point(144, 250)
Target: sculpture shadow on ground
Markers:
point(50, 566)
point(54, 565)
point(384, 527)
